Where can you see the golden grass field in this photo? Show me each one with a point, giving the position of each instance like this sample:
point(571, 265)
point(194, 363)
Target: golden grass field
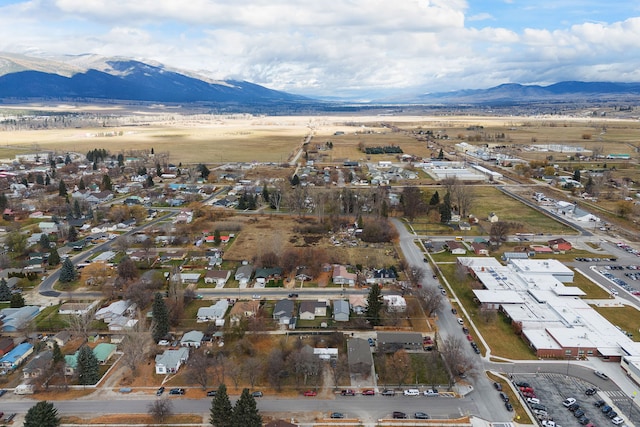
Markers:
point(244, 138)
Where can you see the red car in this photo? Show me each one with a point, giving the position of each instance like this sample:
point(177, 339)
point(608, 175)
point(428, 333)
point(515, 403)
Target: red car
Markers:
point(469, 337)
point(310, 393)
point(368, 392)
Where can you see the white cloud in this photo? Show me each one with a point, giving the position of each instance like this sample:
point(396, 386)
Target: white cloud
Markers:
point(328, 48)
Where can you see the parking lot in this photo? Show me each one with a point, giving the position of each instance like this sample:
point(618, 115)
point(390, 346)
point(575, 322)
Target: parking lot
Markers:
point(552, 389)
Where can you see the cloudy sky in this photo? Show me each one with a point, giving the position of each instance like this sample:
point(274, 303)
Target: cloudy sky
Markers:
point(359, 49)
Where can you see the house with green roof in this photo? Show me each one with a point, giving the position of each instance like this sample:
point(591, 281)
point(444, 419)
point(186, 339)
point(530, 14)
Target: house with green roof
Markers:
point(102, 351)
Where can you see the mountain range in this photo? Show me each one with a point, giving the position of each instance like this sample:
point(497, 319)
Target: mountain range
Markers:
point(95, 78)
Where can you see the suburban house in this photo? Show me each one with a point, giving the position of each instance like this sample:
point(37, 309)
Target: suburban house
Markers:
point(38, 365)
point(170, 361)
point(116, 309)
point(341, 310)
point(243, 274)
point(99, 197)
point(480, 248)
point(456, 248)
point(342, 277)
point(187, 277)
point(383, 276)
point(77, 308)
point(48, 227)
point(243, 309)
point(215, 312)
point(219, 277)
point(192, 339)
point(283, 312)
point(390, 342)
point(309, 309)
point(15, 357)
point(358, 303)
point(359, 356)
point(559, 244)
point(264, 275)
point(395, 303)
point(61, 338)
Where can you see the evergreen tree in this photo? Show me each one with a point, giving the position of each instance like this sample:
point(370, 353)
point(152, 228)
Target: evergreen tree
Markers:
point(245, 413)
point(265, 193)
point(68, 271)
point(216, 237)
point(106, 183)
point(73, 234)
point(47, 180)
point(77, 212)
point(17, 301)
point(81, 184)
point(435, 199)
point(5, 292)
point(576, 175)
point(160, 316)
point(62, 189)
point(204, 171)
point(87, 366)
point(441, 155)
point(95, 166)
point(120, 159)
point(295, 180)
point(42, 414)
point(67, 159)
point(3, 201)
point(158, 169)
point(45, 242)
point(374, 301)
point(39, 179)
point(58, 357)
point(221, 410)
point(54, 258)
point(149, 183)
point(445, 209)
point(152, 152)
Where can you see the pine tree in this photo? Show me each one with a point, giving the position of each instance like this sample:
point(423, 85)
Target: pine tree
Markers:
point(42, 414)
point(54, 258)
point(58, 357)
point(374, 301)
point(87, 366)
point(47, 180)
point(73, 234)
point(106, 183)
point(245, 413)
point(295, 180)
point(265, 193)
point(77, 212)
point(221, 410)
point(68, 271)
point(5, 292)
point(216, 237)
point(62, 189)
point(17, 301)
point(441, 155)
point(81, 184)
point(160, 318)
point(3, 201)
point(435, 199)
point(149, 183)
point(44, 242)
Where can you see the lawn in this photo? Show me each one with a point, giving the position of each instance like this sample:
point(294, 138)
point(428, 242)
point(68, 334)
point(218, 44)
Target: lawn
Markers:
point(626, 318)
point(592, 290)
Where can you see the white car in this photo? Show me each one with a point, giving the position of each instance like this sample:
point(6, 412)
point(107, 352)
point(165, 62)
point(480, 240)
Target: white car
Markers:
point(256, 296)
point(533, 400)
point(617, 421)
point(568, 402)
point(412, 392)
point(163, 342)
point(601, 375)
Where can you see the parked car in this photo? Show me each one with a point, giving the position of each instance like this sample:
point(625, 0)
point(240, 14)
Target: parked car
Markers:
point(294, 295)
point(337, 415)
point(601, 375)
point(568, 402)
point(348, 392)
point(606, 409)
point(310, 393)
point(431, 392)
point(573, 407)
point(399, 415)
point(388, 392)
point(591, 391)
point(412, 392)
point(599, 403)
point(498, 386)
point(257, 394)
point(160, 391)
point(508, 406)
point(578, 413)
point(460, 321)
point(369, 392)
point(504, 396)
point(533, 400)
point(177, 391)
point(2, 392)
point(211, 393)
point(421, 416)
point(522, 384)
point(454, 311)
point(372, 343)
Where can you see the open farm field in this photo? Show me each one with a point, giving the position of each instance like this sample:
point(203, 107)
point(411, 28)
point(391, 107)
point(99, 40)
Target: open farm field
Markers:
point(217, 139)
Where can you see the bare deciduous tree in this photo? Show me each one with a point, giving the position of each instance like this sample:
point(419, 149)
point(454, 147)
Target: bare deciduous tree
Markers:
point(80, 324)
point(252, 369)
point(197, 367)
point(135, 344)
point(339, 369)
point(431, 298)
point(160, 409)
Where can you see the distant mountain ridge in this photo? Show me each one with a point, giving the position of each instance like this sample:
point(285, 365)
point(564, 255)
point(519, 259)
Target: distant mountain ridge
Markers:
point(95, 78)
point(514, 93)
point(122, 79)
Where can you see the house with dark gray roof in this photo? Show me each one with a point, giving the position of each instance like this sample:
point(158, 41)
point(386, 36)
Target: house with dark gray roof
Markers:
point(359, 356)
